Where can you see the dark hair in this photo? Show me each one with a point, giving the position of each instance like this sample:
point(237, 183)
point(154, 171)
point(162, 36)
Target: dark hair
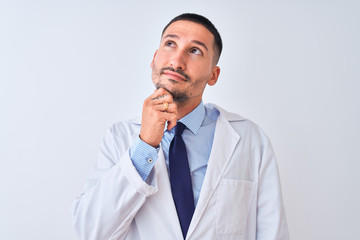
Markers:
point(196, 18)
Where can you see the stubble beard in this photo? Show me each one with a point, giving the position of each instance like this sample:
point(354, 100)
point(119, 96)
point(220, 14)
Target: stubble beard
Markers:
point(179, 97)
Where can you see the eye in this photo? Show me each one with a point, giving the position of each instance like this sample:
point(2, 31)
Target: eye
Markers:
point(169, 44)
point(196, 51)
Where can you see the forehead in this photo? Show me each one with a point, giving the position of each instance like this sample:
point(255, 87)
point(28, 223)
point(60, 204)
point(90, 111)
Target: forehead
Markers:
point(191, 31)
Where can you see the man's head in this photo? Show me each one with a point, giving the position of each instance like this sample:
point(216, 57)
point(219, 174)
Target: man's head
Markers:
point(186, 58)
point(205, 23)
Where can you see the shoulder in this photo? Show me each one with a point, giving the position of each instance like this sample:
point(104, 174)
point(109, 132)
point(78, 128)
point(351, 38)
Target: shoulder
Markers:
point(127, 126)
point(243, 126)
point(123, 132)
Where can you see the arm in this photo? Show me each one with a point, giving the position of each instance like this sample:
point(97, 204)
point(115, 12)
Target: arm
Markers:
point(113, 195)
point(271, 219)
point(116, 189)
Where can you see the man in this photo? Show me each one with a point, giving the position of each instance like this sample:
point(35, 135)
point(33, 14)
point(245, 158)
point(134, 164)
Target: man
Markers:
point(141, 188)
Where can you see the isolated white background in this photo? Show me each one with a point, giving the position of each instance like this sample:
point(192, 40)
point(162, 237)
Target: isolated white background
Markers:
point(69, 69)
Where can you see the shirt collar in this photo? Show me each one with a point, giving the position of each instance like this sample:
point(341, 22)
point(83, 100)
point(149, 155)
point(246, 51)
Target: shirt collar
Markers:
point(194, 119)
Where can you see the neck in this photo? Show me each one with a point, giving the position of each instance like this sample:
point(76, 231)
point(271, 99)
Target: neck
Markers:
point(185, 108)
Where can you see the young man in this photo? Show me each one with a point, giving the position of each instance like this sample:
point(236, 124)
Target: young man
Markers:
point(216, 178)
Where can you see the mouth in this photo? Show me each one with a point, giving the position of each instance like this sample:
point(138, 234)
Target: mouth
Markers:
point(174, 75)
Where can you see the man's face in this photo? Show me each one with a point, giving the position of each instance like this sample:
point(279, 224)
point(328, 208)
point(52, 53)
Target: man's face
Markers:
point(183, 64)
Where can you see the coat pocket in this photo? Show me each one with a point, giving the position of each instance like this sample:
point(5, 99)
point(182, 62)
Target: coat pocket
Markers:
point(233, 201)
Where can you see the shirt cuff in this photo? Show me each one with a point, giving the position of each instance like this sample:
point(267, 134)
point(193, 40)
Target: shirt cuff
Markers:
point(143, 157)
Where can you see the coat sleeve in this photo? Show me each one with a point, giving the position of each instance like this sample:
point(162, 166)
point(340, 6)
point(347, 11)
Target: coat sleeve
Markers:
point(271, 219)
point(113, 193)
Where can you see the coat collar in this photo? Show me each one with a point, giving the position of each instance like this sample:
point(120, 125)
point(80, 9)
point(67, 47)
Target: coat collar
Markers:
point(226, 115)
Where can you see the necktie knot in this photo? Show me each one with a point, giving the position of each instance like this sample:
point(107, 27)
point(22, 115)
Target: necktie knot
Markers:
point(179, 129)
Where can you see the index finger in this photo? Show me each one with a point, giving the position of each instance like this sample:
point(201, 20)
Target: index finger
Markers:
point(159, 92)
point(160, 96)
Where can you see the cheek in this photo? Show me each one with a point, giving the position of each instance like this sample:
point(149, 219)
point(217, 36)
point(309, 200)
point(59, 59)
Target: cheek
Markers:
point(160, 57)
point(198, 86)
point(201, 69)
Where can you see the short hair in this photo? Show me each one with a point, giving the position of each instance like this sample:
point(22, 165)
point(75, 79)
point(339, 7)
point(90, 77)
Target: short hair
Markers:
point(196, 18)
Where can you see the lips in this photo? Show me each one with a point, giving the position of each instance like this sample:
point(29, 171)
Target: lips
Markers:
point(174, 75)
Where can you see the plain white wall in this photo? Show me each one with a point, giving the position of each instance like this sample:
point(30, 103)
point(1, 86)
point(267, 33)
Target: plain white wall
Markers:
point(69, 69)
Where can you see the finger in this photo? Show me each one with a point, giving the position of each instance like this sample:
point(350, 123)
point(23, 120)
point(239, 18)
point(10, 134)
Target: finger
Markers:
point(172, 121)
point(168, 107)
point(159, 93)
point(162, 99)
point(172, 108)
point(158, 97)
point(163, 91)
point(161, 107)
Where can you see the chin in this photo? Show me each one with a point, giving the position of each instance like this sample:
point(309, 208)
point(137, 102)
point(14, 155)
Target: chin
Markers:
point(159, 85)
point(178, 96)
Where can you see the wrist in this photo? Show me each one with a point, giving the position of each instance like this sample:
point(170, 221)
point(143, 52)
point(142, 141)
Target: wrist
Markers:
point(153, 144)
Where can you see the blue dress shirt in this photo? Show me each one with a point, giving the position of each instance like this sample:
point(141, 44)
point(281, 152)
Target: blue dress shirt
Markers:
point(198, 137)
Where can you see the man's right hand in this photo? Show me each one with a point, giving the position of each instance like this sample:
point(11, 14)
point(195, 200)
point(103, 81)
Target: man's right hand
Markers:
point(155, 115)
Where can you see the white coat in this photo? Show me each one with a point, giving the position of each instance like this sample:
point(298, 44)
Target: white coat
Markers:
point(240, 196)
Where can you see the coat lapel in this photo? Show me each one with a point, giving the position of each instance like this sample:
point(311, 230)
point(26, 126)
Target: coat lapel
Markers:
point(225, 141)
point(165, 198)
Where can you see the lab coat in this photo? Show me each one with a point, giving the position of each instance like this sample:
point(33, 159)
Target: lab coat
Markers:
point(240, 197)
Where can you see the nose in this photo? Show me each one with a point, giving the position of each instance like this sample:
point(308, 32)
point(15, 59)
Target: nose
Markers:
point(178, 61)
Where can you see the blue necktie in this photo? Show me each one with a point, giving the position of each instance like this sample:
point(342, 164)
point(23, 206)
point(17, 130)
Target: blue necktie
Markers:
point(180, 179)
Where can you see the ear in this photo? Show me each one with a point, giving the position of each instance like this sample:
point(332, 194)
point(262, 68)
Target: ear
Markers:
point(214, 76)
point(152, 62)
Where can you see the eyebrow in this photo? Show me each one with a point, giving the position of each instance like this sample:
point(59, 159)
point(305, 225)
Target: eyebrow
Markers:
point(194, 41)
